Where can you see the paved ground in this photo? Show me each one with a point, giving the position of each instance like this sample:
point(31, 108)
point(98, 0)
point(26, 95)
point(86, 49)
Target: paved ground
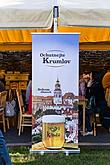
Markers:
point(103, 136)
point(12, 136)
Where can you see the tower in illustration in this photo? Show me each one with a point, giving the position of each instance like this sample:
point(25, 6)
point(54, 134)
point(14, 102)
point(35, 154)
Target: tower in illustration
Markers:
point(57, 93)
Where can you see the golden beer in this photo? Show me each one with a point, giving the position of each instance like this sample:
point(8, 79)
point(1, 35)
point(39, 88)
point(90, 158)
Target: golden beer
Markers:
point(53, 131)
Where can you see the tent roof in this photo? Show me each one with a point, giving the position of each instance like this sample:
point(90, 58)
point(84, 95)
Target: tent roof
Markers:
point(85, 13)
point(90, 38)
point(26, 14)
point(38, 14)
point(86, 34)
point(30, 14)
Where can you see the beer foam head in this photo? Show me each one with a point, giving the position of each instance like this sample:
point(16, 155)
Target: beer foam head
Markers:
point(53, 119)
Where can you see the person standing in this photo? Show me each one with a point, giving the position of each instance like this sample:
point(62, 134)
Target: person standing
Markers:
point(106, 86)
point(4, 155)
point(82, 86)
point(29, 95)
point(96, 98)
point(2, 87)
point(84, 78)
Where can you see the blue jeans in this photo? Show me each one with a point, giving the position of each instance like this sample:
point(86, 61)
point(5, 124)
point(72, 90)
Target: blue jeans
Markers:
point(88, 122)
point(88, 115)
point(3, 150)
point(101, 105)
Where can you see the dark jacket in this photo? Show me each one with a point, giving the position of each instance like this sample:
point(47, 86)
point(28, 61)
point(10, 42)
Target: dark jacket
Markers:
point(2, 87)
point(97, 91)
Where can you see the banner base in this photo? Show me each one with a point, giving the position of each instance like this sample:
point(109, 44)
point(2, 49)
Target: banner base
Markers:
point(66, 151)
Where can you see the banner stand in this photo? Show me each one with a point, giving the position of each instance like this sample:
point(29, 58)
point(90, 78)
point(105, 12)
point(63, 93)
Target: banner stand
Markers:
point(55, 85)
point(66, 152)
point(55, 18)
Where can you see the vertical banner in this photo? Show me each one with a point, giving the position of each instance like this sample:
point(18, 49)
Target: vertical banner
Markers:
point(55, 79)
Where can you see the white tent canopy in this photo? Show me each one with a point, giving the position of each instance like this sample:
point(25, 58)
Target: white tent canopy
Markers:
point(22, 14)
point(85, 13)
point(26, 13)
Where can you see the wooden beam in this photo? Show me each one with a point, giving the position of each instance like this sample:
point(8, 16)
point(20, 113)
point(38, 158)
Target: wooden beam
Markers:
point(15, 46)
point(95, 46)
point(28, 46)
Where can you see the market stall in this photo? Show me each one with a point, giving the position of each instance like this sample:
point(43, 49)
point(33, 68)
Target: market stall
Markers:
point(92, 19)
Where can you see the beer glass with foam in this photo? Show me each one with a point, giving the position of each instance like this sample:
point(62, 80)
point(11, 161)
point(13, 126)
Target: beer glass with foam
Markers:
point(53, 133)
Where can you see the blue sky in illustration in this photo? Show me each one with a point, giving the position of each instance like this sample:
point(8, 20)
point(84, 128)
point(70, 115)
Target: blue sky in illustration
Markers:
point(44, 76)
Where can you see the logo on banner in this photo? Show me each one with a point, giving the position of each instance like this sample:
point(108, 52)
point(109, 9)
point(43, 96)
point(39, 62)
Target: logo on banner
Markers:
point(55, 58)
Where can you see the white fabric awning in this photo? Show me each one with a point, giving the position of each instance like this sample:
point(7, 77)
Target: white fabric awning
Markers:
point(26, 14)
point(85, 13)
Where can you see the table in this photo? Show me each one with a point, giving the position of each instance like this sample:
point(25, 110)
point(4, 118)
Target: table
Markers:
point(83, 101)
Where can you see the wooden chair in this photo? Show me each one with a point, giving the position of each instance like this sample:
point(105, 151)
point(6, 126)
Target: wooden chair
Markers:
point(96, 123)
point(3, 96)
point(24, 119)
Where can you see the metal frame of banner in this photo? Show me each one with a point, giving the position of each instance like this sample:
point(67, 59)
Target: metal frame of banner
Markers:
point(55, 18)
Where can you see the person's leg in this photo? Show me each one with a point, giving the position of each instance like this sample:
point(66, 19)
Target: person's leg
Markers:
point(2, 162)
point(80, 115)
point(88, 123)
point(3, 150)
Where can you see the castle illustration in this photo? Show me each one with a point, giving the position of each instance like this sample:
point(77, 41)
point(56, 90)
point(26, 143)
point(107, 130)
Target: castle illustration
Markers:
point(58, 102)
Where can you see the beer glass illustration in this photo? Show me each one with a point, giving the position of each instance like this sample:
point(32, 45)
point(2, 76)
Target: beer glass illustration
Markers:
point(53, 132)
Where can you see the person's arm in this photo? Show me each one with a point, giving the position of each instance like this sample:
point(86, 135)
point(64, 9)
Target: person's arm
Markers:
point(82, 88)
point(28, 91)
